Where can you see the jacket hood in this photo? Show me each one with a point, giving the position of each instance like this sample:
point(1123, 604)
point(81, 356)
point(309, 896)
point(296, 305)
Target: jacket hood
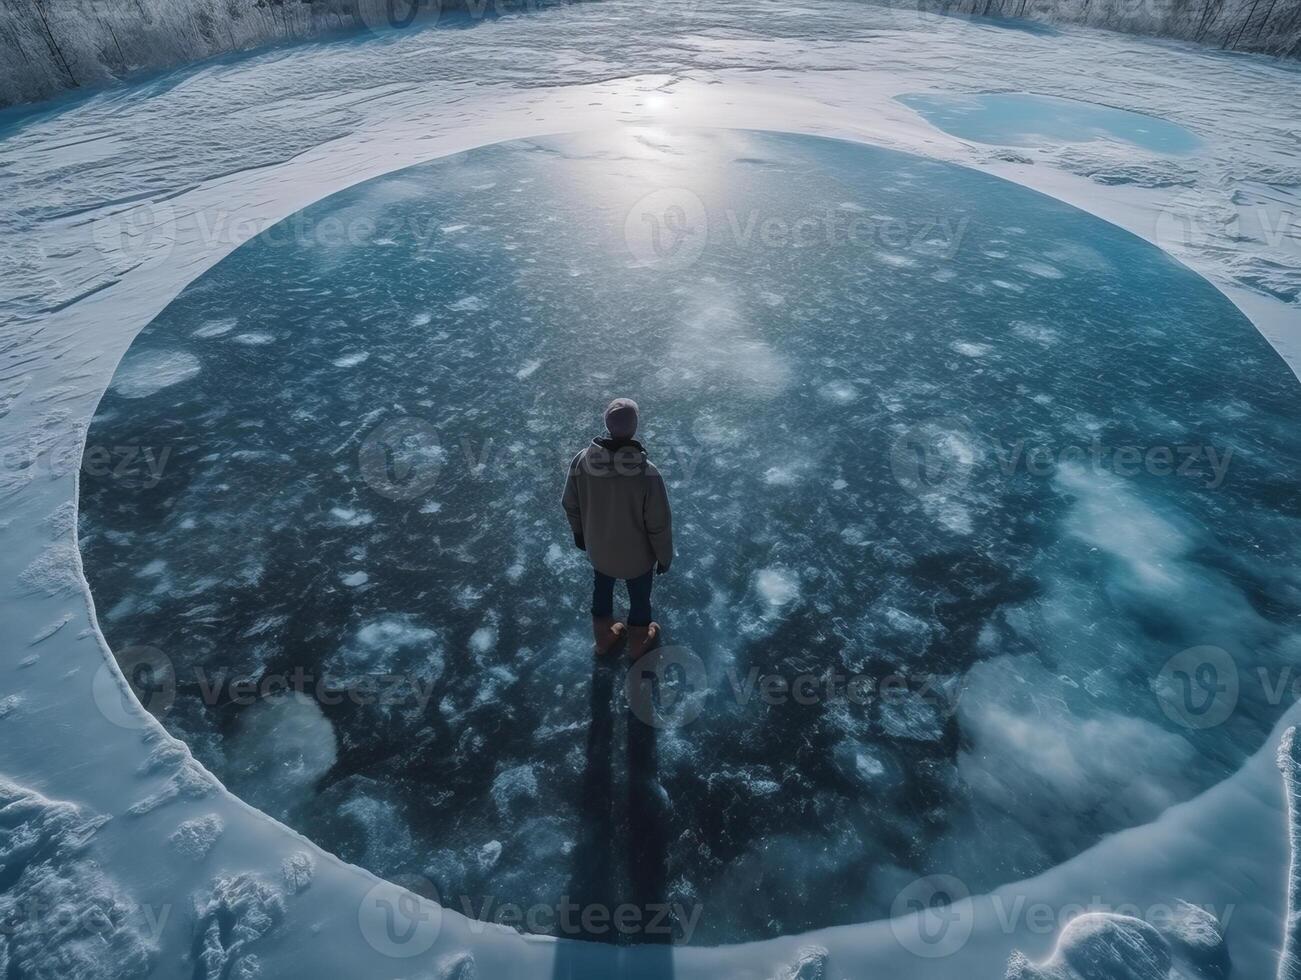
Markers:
point(616, 457)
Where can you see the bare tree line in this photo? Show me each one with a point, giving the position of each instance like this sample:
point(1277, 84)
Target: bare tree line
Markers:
point(49, 46)
point(1262, 26)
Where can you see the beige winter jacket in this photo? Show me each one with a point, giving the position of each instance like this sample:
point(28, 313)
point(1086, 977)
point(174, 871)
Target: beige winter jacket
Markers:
point(618, 509)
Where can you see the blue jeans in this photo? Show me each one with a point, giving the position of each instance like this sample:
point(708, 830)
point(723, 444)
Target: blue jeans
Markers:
point(639, 593)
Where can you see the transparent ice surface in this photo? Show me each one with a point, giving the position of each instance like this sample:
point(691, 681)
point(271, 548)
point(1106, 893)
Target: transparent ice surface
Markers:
point(888, 395)
point(1022, 119)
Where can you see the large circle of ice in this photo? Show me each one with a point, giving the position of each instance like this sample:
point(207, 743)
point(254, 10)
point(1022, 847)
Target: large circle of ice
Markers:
point(985, 511)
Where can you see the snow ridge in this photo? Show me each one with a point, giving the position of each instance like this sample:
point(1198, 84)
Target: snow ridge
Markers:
point(1289, 763)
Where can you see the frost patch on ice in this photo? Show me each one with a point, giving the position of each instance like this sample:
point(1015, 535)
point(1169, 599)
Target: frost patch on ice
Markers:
point(349, 517)
point(1037, 332)
point(1043, 270)
point(141, 375)
point(951, 514)
point(484, 639)
point(215, 328)
point(512, 787)
point(489, 855)
point(391, 644)
point(237, 912)
point(967, 349)
point(468, 304)
point(193, 839)
point(1110, 517)
point(254, 339)
point(896, 260)
point(782, 476)
point(88, 928)
point(1024, 742)
point(778, 587)
point(280, 747)
point(839, 392)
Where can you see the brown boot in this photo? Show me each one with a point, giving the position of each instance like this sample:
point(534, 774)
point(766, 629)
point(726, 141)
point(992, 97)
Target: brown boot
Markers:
point(608, 632)
point(641, 639)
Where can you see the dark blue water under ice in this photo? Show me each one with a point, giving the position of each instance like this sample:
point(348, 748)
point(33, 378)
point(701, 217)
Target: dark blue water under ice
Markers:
point(898, 404)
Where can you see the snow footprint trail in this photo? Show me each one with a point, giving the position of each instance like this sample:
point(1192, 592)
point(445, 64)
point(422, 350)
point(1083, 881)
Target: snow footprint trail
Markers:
point(748, 64)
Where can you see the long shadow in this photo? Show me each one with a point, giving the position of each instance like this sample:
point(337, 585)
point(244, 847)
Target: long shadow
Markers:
point(601, 951)
point(592, 878)
point(648, 838)
point(649, 815)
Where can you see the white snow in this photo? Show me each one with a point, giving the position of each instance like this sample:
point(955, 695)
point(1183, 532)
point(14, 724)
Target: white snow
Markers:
point(64, 916)
point(195, 838)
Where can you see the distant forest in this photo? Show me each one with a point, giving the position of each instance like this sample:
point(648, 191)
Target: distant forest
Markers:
point(50, 46)
point(1263, 26)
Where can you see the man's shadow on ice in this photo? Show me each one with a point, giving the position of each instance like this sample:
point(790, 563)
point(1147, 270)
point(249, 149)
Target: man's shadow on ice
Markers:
point(620, 859)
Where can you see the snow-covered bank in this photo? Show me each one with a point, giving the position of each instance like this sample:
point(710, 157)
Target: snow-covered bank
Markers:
point(233, 148)
point(47, 48)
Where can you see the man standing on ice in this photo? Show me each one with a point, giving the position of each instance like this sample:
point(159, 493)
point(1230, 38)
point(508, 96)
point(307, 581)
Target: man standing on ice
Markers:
point(618, 509)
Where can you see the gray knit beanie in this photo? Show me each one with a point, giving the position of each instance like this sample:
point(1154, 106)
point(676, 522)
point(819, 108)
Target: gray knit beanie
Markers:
point(621, 418)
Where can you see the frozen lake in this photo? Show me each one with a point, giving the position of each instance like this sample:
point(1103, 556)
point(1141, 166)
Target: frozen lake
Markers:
point(922, 427)
point(1022, 119)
